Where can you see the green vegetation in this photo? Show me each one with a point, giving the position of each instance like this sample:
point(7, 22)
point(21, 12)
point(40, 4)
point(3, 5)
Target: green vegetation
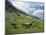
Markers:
point(15, 18)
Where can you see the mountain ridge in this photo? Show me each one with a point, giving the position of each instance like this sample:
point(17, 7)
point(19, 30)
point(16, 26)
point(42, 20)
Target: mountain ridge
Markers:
point(10, 7)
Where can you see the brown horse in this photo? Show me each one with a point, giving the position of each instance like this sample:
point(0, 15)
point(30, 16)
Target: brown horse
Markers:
point(14, 25)
point(27, 25)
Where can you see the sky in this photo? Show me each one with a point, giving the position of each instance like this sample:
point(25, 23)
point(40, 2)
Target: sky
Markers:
point(31, 8)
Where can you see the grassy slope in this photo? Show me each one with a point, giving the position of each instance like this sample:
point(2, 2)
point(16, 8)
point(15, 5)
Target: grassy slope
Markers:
point(18, 17)
point(14, 18)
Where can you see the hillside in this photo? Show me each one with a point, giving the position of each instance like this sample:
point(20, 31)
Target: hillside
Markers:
point(14, 19)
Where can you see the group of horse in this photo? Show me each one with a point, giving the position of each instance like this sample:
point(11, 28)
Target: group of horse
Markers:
point(25, 25)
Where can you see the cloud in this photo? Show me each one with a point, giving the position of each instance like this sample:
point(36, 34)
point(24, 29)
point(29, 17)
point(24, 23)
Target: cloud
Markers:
point(31, 8)
point(38, 13)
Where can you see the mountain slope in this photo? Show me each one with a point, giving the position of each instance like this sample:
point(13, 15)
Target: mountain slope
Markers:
point(17, 17)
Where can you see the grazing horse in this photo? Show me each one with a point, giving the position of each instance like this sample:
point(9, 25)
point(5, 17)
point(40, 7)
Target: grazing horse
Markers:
point(14, 25)
point(27, 25)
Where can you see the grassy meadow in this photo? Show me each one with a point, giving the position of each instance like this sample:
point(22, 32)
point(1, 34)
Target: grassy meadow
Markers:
point(17, 17)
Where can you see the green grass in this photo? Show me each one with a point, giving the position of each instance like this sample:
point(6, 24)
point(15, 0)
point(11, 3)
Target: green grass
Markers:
point(22, 19)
